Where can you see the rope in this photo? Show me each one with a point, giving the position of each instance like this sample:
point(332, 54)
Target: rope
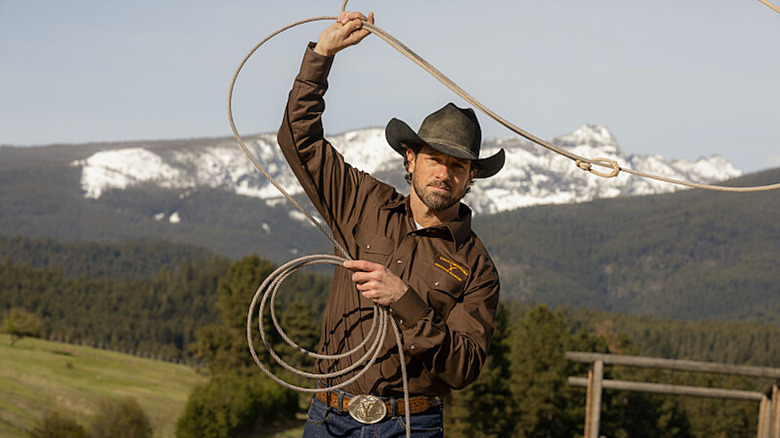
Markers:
point(378, 332)
point(270, 286)
point(381, 320)
point(581, 162)
point(773, 7)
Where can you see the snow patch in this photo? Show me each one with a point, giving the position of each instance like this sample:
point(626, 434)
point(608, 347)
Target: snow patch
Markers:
point(123, 168)
point(532, 174)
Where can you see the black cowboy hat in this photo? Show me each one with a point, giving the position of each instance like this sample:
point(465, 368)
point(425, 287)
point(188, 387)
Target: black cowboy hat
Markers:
point(451, 130)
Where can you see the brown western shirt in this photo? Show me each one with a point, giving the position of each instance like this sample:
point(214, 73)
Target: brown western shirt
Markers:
point(445, 316)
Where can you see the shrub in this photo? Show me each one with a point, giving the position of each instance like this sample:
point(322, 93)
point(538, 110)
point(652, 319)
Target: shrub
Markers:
point(19, 323)
point(122, 418)
point(230, 404)
point(57, 425)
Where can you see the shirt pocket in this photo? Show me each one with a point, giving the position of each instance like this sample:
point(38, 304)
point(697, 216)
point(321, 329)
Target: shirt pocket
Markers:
point(439, 288)
point(373, 247)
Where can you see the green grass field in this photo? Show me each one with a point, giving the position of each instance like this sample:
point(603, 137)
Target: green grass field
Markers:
point(38, 376)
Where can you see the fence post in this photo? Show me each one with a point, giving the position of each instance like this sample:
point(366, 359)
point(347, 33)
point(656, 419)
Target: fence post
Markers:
point(593, 400)
point(775, 415)
point(764, 417)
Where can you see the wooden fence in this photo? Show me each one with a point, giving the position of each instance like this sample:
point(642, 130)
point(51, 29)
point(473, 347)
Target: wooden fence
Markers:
point(769, 401)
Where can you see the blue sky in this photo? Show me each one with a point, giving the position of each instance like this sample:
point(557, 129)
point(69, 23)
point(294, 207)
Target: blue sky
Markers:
point(679, 79)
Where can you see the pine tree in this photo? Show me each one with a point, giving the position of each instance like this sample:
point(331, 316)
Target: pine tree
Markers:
point(238, 287)
point(484, 407)
point(539, 373)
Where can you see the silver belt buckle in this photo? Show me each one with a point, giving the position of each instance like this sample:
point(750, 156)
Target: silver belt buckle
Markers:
point(367, 409)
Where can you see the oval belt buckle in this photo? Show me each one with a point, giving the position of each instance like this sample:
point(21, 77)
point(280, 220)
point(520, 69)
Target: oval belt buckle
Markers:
point(367, 409)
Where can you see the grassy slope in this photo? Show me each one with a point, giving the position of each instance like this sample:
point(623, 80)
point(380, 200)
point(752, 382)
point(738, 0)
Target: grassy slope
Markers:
point(38, 376)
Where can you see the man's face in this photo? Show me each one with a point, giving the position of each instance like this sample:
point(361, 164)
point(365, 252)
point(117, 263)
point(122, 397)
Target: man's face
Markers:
point(439, 180)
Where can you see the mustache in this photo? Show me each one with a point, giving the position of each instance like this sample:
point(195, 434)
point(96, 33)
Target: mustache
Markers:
point(440, 184)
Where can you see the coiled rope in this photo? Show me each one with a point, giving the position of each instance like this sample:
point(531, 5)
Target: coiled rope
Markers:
point(268, 290)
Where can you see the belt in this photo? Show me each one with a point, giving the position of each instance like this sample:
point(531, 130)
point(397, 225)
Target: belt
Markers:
point(417, 404)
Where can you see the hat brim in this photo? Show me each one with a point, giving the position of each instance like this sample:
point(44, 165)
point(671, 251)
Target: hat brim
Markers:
point(400, 136)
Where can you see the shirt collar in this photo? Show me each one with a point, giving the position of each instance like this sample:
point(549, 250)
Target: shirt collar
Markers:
point(459, 229)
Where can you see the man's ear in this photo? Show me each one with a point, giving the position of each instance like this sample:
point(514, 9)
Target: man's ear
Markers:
point(473, 172)
point(410, 158)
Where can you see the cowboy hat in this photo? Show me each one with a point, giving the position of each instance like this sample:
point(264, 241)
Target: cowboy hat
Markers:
point(451, 130)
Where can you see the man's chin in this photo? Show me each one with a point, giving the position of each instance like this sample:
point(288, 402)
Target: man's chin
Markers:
point(437, 198)
point(437, 202)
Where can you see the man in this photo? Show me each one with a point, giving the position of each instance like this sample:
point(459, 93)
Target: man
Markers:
point(416, 255)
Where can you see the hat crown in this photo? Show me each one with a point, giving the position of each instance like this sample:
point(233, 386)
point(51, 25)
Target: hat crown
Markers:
point(453, 127)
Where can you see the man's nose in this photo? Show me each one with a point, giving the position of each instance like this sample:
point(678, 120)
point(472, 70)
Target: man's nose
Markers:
point(443, 172)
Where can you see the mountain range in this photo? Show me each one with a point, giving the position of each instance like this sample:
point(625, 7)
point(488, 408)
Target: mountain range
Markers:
point(558, 234)
point(531, 176)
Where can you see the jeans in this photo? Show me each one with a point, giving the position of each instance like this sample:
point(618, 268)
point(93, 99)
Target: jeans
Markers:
point(328, 422)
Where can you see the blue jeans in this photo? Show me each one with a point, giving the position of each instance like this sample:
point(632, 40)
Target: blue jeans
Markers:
point(326, 422)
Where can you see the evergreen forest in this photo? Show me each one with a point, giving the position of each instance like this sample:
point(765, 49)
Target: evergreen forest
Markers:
point(184, 304)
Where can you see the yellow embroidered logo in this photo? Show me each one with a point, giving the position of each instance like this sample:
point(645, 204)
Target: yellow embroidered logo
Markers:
point(452, 268)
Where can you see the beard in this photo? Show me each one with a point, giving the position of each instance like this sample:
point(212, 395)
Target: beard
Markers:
point(437, 200)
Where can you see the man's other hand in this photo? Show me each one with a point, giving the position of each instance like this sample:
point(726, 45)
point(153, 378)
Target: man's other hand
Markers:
point(376, 282)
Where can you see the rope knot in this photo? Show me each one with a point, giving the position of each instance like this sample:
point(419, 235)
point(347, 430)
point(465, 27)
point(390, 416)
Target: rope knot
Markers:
point(604, 162)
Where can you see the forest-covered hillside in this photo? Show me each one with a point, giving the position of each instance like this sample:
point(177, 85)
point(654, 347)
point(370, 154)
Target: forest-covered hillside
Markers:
point(136, 260)
point(690, 255)
point(194, 310)
point(153, 296)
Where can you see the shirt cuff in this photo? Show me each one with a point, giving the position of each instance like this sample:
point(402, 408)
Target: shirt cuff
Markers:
point(315, 67)
point(409, 309)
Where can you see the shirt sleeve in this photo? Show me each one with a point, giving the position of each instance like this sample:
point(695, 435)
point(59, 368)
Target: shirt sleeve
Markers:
point(329, 182)
point(452, 349)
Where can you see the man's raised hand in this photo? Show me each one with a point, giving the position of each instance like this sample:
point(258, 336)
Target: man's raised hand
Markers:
point(346, 31)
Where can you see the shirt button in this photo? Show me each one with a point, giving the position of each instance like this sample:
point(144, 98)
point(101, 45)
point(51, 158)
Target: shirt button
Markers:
point(411, 347)
point(368, 246)
point(436, 284)
point(399, 261)
point(401, 321)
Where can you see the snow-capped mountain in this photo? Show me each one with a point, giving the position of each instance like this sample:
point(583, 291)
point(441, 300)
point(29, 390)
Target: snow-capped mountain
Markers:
point(532, 175)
